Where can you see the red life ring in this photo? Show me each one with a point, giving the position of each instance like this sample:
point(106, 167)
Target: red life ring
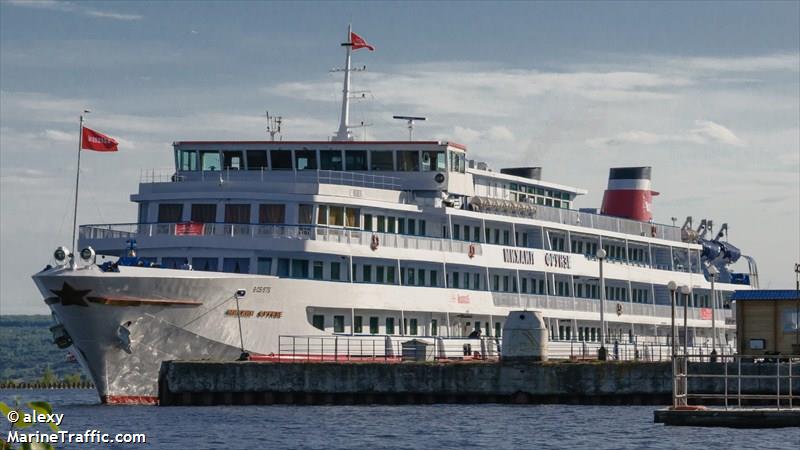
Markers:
point(471, 252)
point(375, 242)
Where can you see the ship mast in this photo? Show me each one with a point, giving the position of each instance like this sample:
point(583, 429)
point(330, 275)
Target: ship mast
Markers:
point(344, 130)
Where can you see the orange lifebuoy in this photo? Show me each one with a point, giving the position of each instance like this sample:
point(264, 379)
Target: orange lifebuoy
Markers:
point(375, 242)
point(471, 252)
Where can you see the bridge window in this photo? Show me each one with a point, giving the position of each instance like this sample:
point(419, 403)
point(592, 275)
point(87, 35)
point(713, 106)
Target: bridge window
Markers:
point(330, 159)
point(408, 161)
point(336, 271)
point(433, 161)
point(233, 160)
point(283, 267)
point(281, 159)
point(187, 160)
point(322, 215)
point(237, 213)
point(352, 216)
point(173, 263)
point(318, 270)
point(257, 159)
point(204, 212)
point(210, 159)
point(382, 161)
point(336, 215)
point(414, 328)
point(170, 212)
point(299, 268)
point(305, 214)
point(318, 320)
point(305, 159)
point(434, 327)
point(355, 159)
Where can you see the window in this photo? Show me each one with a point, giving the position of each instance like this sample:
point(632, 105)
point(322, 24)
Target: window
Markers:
point(236, 265)
point(414, 330)
point(382, 161)
point(170, 212)
point(336, 271)
point(379, 274)
point(476, 281)
point(496, 283)
point(336, 215)
point(410, 277)
point(421, 228)
point(455, 280)
point(401, 225)
point(433, 161)
point(173, 263)
point(330, 159)
point(305, 159)
point(358, 326)
point(281, 159)
point(366, 273)
point(237, 213)
point(412, 226)
point(257, 160)
point(476, 235)
point(204, 213)
point(264, 266)
point(271, 213)
point(305, 214)
point(318, 270)
point(299, 268)
point(381, 224)
point(338, 324)
point(434, 279)
point(373, 325)
point(390, 275)
point(434, 327)
point(187, 160)
point(505, 283)
point(352, 216)
point(408, 161)
point(322, 215)
point(390, 224)
point(456, 231)
point(206, 264)
point(283, 267)
point(233, 160)
point(498, 329)
point(390, 325)
point(421, 277)
point(367, 222)
point(355, 159)
point(210, 159)
point(318, 320)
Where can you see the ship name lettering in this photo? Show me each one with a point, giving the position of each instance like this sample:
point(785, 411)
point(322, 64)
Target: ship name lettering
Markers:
point(259, 314)
point(261, 289)
point(514, 256)
point(558, 261)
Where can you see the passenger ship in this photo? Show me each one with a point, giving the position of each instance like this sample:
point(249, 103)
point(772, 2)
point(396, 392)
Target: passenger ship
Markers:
point(244, 244)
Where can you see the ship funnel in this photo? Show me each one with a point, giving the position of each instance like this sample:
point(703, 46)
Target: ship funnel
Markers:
point(628, 194)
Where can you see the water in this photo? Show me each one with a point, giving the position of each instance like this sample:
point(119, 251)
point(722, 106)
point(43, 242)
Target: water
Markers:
point(400, 427)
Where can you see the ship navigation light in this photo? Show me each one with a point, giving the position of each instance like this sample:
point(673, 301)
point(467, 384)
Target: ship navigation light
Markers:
point(61, 255)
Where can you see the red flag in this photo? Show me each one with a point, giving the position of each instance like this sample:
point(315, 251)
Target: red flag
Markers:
point(99, 142)
point(358, 42)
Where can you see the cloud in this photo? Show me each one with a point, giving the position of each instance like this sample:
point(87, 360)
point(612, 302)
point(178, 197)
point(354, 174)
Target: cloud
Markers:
point(773, 62)
point(71, 7)
point(705, 132)
point(60, 136)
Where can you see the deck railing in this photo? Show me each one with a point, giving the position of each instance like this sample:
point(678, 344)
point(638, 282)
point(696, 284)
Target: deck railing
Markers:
point(358, 179)
point(303, 232)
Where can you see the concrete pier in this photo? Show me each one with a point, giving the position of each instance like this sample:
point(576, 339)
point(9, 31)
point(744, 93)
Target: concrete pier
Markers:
point(620, 383)
point(732, 418)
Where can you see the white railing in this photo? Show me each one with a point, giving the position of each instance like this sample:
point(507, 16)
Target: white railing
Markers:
point(359, 179)
point(553, 302)
point(250, 231)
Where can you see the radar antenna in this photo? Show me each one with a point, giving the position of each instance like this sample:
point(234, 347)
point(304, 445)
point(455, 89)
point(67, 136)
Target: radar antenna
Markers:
point(274, 125)
point(410, 120)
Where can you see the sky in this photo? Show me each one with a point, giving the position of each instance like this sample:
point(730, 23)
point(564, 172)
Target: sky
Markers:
point(707, 93)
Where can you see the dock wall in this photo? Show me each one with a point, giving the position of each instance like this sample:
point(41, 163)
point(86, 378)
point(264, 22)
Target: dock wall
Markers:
point(211, 383)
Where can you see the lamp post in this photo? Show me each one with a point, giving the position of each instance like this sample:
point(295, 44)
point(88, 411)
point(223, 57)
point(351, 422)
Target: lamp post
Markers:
point(673, 286)
point(797, 310)
point(712, 273)
point(602, 353)
point(686, 291)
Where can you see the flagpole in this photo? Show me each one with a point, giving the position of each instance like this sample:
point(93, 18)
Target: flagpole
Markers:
point(344, 133)
point(77, 184)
